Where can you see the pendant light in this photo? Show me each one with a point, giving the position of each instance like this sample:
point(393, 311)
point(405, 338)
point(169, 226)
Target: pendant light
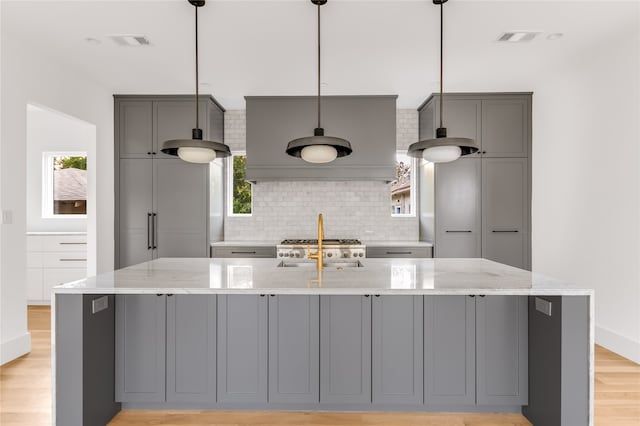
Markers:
point(319, 148)
point(442, 149)
point(196, 150)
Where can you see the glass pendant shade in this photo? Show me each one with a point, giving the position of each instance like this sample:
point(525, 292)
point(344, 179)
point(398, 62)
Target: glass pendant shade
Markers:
point(442, 154)
point(319, 153)
point(196, 155)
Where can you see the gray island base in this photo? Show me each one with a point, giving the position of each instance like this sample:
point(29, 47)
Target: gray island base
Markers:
point(415, 335)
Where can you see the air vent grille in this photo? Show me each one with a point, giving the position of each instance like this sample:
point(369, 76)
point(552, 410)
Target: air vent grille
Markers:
point(130, 40)
point(518, 36)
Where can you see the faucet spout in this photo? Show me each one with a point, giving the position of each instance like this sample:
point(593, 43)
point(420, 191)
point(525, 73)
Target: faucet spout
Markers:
point(318, 255)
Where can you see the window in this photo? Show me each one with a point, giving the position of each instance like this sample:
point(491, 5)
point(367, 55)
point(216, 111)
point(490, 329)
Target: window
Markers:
point(239, 191)
point(403, 188)
point(64, 184)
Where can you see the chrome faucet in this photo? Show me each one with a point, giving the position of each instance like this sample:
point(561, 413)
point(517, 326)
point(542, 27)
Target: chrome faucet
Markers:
point(318, 255)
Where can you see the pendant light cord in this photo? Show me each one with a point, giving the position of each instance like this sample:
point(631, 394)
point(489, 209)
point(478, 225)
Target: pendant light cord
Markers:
point(197, 89)
point(441, 61)
point(319, 113)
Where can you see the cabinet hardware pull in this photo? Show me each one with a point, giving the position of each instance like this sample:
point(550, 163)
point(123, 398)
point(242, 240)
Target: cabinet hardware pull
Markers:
point(148, 231)
point(377, 295)
point(169, 295)
point(71, 244)
point(507, 231)
point(149, 153)
point(272, 295)
point(454, 231)
point(158, 294)
point(155, 230)
point(399, 252)
point(262, 295)
point(72, 260)
point(153, 153)
point(472, 295)
point(482, 295)
point(366, 295)
point(243, 252)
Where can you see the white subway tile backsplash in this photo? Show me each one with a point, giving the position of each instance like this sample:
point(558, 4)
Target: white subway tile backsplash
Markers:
point(351, 209)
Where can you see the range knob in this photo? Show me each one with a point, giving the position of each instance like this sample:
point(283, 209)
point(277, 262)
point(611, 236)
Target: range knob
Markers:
point(297, 254)
point(345, 255)
point(355, 254)
point(361, 255)
point(280, 254)
point(329, 254)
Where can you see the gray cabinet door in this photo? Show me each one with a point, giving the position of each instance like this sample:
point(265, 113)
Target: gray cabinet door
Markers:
point(140, 348)
point(458, 208)
point(181, 200)
point(505, 127)
point(294, 349)
point(175, 120)
point(505, 210)
point(502, 350)
point(135, 208)
point(462, 117)
point(345, 349)
point(450, 350)
point(191, 348)
point(134, 129)
point(397, 358)
point(242, 349)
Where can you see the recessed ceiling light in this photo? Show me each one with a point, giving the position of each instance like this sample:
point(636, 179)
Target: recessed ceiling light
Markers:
point(555, 36)
point(518, 36)
point(130, 40)
point(92, 40)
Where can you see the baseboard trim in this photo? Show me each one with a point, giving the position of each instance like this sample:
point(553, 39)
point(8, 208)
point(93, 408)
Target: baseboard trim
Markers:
point(619, 344)
point(15, 348)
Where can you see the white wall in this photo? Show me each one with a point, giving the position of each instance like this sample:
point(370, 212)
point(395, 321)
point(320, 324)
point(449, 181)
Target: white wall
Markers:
point(586, 183)
point(49, 131)
point(30, 76)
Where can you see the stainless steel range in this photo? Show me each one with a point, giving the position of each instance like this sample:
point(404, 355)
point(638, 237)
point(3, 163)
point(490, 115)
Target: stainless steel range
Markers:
point(332, 249)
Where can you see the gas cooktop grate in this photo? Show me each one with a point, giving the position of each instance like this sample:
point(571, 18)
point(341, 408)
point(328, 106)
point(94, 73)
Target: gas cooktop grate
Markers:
point(309, 241)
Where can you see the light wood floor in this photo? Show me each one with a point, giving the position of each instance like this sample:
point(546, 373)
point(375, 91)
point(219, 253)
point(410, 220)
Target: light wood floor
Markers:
point(25, 398)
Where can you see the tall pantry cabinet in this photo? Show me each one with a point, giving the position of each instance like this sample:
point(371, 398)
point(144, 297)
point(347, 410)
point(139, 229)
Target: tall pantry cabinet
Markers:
point(162, 202)
point(483, 200)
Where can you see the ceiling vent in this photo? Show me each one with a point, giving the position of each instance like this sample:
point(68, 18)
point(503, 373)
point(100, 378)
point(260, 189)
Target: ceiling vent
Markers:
point(130, 40)
point(518, 36)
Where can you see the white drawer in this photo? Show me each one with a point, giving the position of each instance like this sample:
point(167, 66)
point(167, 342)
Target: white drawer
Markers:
point(34, 260)
point(64, 243)
point(34, 243)
point(34, 284)
point(54, 277)
point(67, 259)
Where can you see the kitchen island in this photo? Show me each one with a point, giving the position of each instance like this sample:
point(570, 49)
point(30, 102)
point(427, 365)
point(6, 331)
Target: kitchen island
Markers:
point(371, 335)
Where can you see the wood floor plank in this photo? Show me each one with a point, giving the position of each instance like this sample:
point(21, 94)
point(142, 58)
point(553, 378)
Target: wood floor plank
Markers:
point(25, 398)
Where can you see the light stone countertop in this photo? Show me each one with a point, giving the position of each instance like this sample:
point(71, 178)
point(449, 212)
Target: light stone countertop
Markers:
point(46, 233)
point(377, 276)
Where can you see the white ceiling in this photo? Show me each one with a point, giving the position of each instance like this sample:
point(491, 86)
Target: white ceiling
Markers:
point(267, 47)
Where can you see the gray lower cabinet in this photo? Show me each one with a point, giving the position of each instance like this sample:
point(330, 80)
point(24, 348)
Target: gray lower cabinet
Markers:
point(140, 348)
point(242, 349)
point(502, 350)
point(345, 349)
point(458, 201)
point(294, 349)
point(505, 211)
point(191, 348)
point(243, 251)
point(450, 350)
point(407, 251)
point(396, 350)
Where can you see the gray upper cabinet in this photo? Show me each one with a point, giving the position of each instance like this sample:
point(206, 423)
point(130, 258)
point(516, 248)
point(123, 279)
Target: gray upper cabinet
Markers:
point(505, 127)
point(462, 118)
point(449, 350)
point(397, 360)
point(294, 349)
point(367, 122)
point(191, 348)
point(345, 349)
point(502, 350)
point(135, 209)
point(135, 130)
point(181, 205)
point(140, 348)
point(162, 205)
point(505, 211)
point(458, 203)
point(242, 349)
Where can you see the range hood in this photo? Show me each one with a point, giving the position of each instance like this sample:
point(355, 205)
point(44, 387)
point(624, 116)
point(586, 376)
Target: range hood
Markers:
point(368, 122)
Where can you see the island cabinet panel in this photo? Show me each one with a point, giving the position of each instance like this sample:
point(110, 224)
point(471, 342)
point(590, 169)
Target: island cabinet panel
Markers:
point(397, 359)
point(502, 350)
point(450, 350)
point(345, 349)
point(191, 348)
point(242, 348)
point(140, 348)
point(458, 208)
point(294, 349)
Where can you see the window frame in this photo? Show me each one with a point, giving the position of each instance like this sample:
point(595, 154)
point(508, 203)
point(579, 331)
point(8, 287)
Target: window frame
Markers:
point(413, 187)
point(229, 186)
point(47, 184)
